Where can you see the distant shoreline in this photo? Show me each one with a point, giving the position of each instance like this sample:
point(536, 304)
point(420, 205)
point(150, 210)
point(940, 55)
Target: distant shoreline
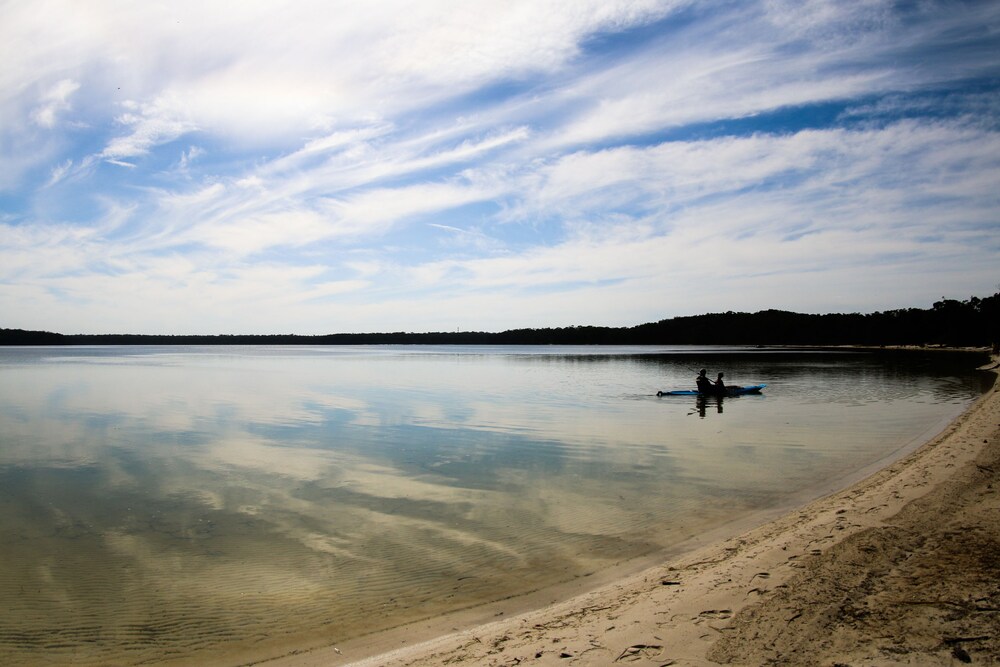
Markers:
point(954, 324)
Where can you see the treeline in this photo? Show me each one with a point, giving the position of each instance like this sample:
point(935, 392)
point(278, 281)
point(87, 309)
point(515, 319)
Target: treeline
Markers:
point(974, 322)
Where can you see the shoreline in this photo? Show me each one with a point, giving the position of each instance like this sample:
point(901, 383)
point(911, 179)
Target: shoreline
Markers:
point(746, 596)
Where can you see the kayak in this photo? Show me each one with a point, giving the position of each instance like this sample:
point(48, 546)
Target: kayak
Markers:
point(730, 391)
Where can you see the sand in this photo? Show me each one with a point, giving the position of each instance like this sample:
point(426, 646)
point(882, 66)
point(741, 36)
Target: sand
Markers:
point(902, 568)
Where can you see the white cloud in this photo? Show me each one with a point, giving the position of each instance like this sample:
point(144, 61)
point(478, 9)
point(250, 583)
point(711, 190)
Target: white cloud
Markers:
point(250, 235)
point(383, 207)
point(269, 72)
point(150, 125)
point(508, 38)
point(54, 101)
point(837, 202)
point(189, 156)
point(60, 171)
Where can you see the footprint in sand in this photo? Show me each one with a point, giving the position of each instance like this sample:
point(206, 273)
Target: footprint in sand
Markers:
point(639, 652)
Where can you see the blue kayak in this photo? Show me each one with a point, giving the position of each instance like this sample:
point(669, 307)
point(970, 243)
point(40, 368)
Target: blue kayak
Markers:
point(730, 391)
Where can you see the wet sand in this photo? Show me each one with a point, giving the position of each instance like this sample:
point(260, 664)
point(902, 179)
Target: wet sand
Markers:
point(901, 568)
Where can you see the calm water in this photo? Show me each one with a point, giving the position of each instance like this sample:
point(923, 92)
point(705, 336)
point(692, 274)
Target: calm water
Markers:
point(230, 504)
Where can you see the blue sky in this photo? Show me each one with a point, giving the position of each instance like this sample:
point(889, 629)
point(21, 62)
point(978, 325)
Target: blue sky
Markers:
point(315, 167)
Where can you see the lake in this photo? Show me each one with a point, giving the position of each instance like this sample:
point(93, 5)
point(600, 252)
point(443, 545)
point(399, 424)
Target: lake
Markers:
point(227, 504)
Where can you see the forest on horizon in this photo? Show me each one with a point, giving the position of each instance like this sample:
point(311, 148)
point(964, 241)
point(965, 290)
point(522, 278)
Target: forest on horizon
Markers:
point(974, 322)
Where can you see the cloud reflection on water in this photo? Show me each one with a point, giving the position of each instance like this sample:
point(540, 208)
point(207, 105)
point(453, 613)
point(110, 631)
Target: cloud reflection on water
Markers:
point(208, 495)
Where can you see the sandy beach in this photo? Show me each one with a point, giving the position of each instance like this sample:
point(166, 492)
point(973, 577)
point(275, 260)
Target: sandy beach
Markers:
point(901, 568)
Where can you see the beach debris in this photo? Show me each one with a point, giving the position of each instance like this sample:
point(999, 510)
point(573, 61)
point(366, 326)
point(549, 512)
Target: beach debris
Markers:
point(956, 640)
point(961, 654)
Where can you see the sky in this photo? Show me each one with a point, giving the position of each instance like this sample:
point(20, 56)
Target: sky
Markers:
point(325, 166)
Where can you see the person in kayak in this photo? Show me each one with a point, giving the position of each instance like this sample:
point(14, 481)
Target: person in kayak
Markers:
point(704, 384)
point(720, 388)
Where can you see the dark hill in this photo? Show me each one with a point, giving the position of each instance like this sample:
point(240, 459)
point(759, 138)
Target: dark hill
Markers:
point(974, 322)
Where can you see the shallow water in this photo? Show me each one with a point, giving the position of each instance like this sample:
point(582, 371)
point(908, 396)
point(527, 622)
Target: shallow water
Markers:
point(229, 504)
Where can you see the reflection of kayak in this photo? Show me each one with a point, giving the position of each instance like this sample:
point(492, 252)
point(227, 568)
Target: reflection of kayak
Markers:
point(730, 391)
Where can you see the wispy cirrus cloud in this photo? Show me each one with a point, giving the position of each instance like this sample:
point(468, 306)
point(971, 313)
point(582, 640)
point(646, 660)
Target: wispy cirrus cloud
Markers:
point(148, 126)
point(53, 102)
